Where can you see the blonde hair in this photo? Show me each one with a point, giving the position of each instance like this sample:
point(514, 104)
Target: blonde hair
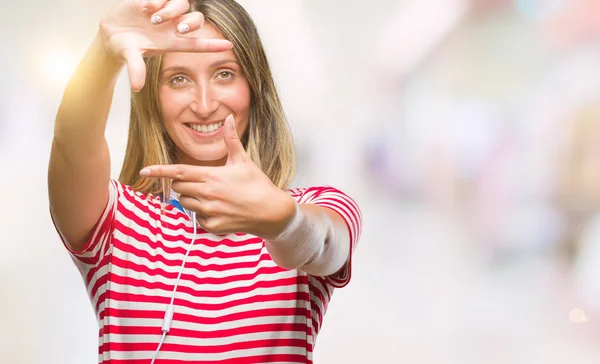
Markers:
point(267, 140)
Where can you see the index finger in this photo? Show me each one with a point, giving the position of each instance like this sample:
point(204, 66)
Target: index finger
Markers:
point(167, 10)
point(177, 172)
point(199, 45)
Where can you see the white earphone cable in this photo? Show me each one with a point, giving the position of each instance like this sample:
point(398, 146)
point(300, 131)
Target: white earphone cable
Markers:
point(168, 319)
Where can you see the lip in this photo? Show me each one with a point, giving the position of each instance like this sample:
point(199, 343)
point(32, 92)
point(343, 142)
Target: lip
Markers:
point(204, 135)
point(206, 123)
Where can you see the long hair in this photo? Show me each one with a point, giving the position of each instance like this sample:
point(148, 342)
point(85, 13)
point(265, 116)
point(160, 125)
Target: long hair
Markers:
point(267, 140)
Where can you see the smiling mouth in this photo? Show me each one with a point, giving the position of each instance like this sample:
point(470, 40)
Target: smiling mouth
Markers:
point(206, 128)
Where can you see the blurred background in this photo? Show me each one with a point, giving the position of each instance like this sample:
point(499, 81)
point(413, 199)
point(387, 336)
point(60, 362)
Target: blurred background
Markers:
point(468, 131)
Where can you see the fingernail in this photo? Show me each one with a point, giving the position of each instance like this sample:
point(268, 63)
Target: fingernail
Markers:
point(144, 10)
point(182, 28)
point(156, 19)
point(145, 172)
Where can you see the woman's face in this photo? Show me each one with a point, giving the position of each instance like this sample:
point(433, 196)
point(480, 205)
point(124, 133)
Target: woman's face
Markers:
point(197, 91)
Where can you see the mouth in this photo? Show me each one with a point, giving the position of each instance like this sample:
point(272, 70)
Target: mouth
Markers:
point(206, 129)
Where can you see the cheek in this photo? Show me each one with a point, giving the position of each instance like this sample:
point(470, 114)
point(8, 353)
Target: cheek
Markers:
point(172, 104)
point(238, 100)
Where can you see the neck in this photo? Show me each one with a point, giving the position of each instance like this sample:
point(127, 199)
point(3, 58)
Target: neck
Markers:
point(184, 159)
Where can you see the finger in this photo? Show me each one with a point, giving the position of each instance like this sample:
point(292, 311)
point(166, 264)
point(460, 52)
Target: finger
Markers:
point(188, 188)
point(200, 207)
point(171, 10)
point(177, 172)
point(153, 5)
point(136, 68)
point(190, 202)
point(202, 221)
point(141, 5)
point(199, 45)
point(190, 22)
point(212, 224)
point(235, 149)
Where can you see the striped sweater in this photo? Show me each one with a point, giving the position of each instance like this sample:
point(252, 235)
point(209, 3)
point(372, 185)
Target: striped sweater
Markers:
point(233, 303)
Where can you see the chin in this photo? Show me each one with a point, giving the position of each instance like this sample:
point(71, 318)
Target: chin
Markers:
point(207, 156)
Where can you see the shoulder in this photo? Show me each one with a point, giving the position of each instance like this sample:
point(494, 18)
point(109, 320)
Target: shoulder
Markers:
point(129, 196)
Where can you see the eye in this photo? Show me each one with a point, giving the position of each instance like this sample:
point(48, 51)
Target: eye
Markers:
point(225, 75)
point(178, 80)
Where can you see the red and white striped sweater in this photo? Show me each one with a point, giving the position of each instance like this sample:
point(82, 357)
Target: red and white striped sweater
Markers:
point(233, 303)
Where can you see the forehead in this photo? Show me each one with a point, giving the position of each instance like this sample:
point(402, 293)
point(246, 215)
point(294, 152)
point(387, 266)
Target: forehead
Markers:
point(198, 60)
point(207, 31)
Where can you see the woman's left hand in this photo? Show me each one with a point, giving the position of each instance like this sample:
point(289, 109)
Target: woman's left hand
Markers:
point(235, 198)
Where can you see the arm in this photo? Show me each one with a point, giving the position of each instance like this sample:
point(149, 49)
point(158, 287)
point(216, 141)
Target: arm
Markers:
point(316, 240)
point(79, 168)
point(315, 236)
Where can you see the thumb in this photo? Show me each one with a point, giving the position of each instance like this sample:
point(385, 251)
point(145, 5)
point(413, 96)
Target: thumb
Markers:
point(235, 149)
point(136, 68)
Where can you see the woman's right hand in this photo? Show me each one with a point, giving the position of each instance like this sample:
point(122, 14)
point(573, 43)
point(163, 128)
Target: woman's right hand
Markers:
point(134, 29)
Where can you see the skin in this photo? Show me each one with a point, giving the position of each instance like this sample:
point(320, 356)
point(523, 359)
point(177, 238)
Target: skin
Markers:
point(202, 89)
point(215, 177)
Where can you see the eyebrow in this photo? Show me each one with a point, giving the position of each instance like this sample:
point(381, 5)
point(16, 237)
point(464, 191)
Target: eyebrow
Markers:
point(214, 65)
point(222, 62)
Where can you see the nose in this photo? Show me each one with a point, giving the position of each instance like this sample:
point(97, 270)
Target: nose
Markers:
point(205, 102)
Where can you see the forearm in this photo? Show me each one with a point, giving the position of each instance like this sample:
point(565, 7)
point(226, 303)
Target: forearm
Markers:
point(79, 167)
point(316, 241)
point(81, 118)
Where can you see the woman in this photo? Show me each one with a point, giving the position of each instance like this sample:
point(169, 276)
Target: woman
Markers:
point(199, 252)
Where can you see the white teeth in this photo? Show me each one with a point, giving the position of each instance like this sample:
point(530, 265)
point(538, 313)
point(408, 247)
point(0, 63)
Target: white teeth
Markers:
point(206, 128)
